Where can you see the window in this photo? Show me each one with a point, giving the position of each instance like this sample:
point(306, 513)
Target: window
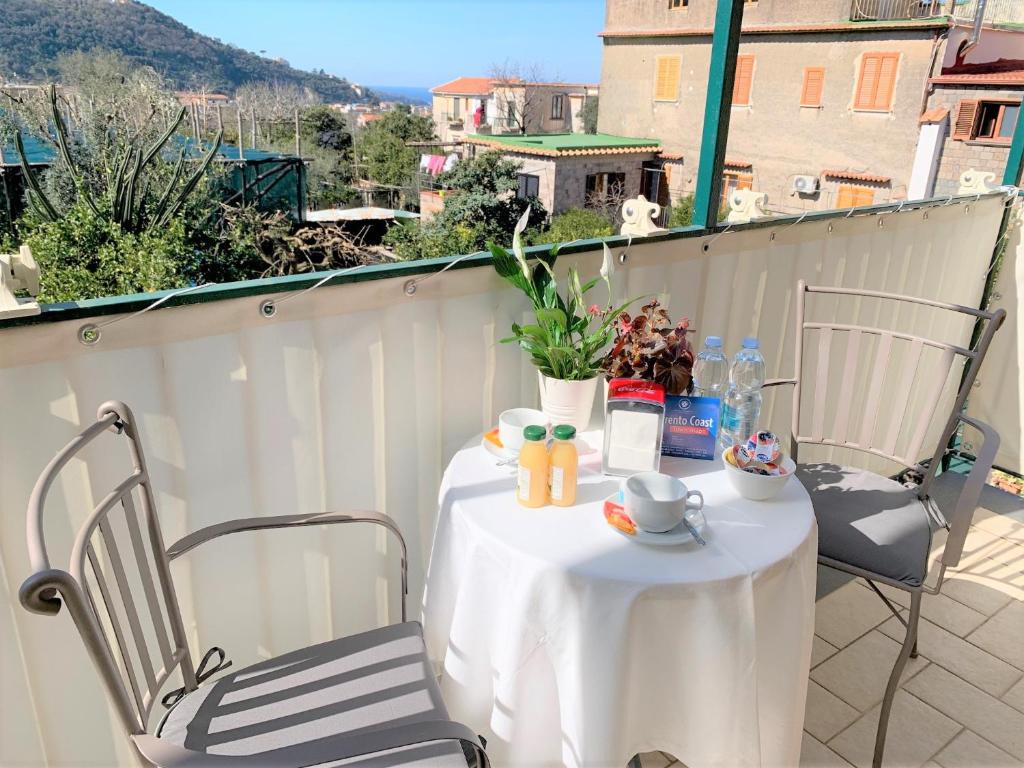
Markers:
point(673, 4)
point(731, 181)
point(557, 106)
point(990, 121)
point(876, 81)
point(814, 87)
point(666, 78)
point(529, 186)
point(456, 108)
point(744, 80)
point(851, 196)
point(510, 111)
point(601, 185)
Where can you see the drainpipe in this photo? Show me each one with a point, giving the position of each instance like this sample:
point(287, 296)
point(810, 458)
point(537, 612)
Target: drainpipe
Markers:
point(927, 90)
point(979, 19)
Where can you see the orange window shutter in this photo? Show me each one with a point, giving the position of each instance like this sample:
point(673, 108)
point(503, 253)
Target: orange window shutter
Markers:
point(966, 117)
point(865, 196)
point(666, 78)
point(867, 86)
point(744, 80)
point(744, 181)
point(814, 87)
point(887, 80)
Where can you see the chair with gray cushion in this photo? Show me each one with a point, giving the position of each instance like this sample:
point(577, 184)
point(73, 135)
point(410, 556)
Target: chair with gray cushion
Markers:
point(367, 700)
point(876, 391)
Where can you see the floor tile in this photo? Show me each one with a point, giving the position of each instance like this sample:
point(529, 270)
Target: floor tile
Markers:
point(985, 595)
point(916, 732)
point(1008, 526)
point(969, 750)
point(940, 609)
point(1003, 635)
point(826, 715)
point(814, 754)
point(960, 657)
point(988, 717)
point(654, 760)
point(847, 613)
point(1015, 696)
point(821, 650)
point(858, 673)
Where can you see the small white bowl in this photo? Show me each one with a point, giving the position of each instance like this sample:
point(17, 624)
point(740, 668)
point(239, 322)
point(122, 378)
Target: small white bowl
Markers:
point(758, 487)
point(512, 422)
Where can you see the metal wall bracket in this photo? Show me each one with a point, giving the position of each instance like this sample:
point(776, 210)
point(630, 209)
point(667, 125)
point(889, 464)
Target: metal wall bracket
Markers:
point(18, 272)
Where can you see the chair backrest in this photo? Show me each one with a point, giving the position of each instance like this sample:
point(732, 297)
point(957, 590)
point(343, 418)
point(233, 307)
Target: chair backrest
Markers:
point(118, 556)
point(875, 389)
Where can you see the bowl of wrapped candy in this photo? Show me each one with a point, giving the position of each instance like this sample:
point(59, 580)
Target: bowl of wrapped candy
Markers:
point(758, 469)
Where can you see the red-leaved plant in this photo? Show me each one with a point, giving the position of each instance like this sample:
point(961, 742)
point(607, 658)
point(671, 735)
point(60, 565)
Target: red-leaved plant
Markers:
point(650, 347)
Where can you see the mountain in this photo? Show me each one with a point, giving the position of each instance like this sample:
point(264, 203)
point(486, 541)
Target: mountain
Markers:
point(33, 33)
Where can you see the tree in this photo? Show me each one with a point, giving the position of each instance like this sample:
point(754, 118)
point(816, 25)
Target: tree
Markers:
point(480, 206)
point(588, 114)
point(381, 149)
point(517, 101)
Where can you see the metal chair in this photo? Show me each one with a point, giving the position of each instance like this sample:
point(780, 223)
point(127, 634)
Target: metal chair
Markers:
point(369, 699)
point(869, 525)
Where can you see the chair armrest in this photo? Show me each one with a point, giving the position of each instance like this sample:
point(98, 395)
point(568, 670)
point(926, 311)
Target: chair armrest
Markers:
point(210, 532)
point(341, 747)
point(778, 382)
point(970, 494)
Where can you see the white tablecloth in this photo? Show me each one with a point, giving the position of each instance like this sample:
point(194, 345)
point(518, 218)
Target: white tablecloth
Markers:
point(562, 642)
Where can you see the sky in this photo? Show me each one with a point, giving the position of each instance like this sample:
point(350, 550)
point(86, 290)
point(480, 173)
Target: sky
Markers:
point(408, 42)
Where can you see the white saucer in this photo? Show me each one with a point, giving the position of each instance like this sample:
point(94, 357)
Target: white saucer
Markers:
point(672, 537)
point(503, 454)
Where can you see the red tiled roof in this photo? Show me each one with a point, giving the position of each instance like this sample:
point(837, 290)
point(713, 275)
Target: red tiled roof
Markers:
point(936, 115)
point(1000, 72)
point(731, 163)
point(857, 176)
point(470, 86)
point(671, 155)
point(782, 29)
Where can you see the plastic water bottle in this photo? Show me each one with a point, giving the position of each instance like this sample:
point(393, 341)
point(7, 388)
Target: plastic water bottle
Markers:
point(742, 406)
point(711, 370)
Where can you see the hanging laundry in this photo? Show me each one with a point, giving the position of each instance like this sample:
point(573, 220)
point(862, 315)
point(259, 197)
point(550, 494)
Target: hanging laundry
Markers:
point(450, 161)
point(436, 164)
point(425, 163)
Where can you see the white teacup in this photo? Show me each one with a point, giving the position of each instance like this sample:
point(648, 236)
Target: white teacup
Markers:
point(657, 502)
point(512, 422)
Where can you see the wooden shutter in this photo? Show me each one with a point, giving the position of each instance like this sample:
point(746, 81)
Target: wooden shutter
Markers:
point(666, 78)
point(966, 117)
point(814, 87)
point(851, 196)
point(744, 80)
point(877, 81)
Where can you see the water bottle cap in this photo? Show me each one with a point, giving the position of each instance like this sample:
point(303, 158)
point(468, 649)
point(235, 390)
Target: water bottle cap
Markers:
point(713, 341)
point(751, 343)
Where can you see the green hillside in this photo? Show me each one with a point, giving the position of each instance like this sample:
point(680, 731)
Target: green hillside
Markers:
point(33, 33)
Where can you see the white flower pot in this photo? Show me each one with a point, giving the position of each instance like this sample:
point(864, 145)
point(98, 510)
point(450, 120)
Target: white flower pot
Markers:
point(567, 402)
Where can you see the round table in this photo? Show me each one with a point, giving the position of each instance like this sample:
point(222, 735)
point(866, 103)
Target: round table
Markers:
point(564, 643)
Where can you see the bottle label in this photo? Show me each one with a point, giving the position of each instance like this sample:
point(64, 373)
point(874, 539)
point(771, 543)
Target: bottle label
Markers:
point(557, 483)
point(524, 483)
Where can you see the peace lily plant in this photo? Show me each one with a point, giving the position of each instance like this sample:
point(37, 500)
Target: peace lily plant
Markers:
point(569, 337)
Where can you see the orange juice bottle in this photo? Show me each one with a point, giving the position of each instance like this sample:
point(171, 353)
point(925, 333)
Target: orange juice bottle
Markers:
point(532, 489)
point(564, 461)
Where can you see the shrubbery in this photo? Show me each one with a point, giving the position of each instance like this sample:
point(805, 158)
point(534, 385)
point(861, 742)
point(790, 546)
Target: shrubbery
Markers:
point(575, 224)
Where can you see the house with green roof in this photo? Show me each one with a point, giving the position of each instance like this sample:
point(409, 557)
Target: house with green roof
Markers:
point(576, 170)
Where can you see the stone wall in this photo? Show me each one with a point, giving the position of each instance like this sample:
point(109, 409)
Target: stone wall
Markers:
point(774, 133)
point(959, 156)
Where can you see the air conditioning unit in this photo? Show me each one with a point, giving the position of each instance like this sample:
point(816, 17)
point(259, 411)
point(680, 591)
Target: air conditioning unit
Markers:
point(805, 185)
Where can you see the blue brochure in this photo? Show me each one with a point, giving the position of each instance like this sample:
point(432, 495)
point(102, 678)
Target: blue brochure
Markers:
point(691, 427)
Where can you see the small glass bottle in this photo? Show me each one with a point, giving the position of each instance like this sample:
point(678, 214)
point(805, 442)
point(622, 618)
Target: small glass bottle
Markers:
point(564, 462)
point(534, 468)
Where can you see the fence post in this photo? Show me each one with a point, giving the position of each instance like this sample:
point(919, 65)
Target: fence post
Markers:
point(715, 136)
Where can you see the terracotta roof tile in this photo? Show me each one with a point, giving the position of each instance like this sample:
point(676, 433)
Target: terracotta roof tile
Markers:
point(999, 72)
point(857, 176)
point(936, 115)
point(781, 29)
point(671, 155)
point(734, 163)
point(471, 86)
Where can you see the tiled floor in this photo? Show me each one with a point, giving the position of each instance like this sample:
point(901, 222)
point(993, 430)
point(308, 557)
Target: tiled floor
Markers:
point(961, 703)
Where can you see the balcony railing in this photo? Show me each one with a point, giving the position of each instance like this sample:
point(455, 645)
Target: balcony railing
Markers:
point(355, 396)
point(996, 11)
point(885, 10)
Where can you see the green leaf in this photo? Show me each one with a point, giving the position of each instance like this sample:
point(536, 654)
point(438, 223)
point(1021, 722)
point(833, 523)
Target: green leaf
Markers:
point(553, 316)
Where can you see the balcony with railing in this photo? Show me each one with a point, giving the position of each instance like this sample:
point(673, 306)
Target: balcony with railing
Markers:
point(996, 11)
point(356, 394)
point(886, 10)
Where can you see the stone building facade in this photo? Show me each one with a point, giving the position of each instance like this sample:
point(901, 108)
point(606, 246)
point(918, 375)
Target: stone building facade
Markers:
point(815, 93)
